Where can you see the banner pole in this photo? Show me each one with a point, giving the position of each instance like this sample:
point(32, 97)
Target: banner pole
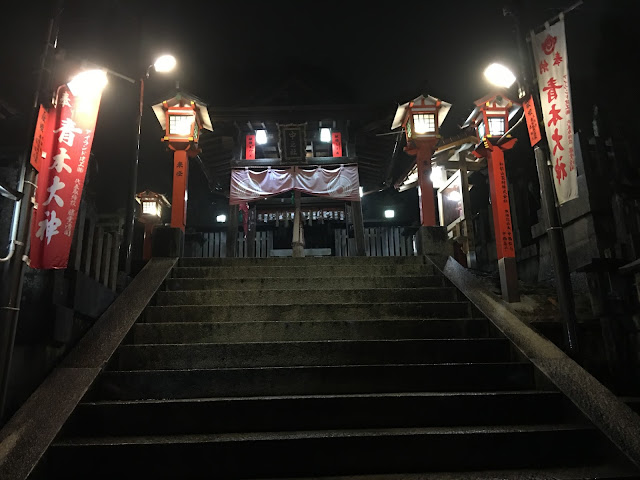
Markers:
point(11, 294)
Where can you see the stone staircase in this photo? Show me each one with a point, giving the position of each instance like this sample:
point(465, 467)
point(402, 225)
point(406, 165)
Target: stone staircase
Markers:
point(321, 367)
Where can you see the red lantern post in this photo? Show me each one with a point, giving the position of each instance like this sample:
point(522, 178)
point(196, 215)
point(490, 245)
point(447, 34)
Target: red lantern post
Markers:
point(421, 119)
point(491, 120)
point(182, 118)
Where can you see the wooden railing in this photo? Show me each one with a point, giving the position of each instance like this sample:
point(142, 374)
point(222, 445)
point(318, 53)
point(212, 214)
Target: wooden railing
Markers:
point(96, 246)
point(380, 241)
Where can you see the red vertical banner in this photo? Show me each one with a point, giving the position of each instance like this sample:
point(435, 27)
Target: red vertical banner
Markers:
point(336, 144)
point(42, 137)
point(500, 204)
point(179, 198)
point(64, 159)
point(250, 149)
point(532, 121)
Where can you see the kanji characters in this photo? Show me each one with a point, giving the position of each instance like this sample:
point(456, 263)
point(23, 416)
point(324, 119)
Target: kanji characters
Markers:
point(49, 227)
point(556, 137)
point(557, 59)
point(55, 186)
point(544, 67)
point(58, 161)
point(551, 89)
point(561, 172)
point(555, 116)
point(65, 100)
point(68, 131)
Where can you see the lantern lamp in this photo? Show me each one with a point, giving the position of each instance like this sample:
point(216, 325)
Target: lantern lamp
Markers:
point(152, 204)
point(491, 116)
point(183, 117)
point(421, 117)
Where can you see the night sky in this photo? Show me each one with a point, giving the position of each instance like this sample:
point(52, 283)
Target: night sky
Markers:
point(232, 53)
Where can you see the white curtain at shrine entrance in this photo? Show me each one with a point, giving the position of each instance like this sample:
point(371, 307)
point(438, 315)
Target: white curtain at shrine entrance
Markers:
point(335, 182)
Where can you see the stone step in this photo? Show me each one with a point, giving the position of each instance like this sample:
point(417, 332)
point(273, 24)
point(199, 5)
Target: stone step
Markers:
point(308, 296)
point(303, 270)
point(297, 261)
point(276, 381)
point(314, 412)
point(327, 452)
point(323, 353)
point(210, 332)
point(403, 281)
point(319, 311)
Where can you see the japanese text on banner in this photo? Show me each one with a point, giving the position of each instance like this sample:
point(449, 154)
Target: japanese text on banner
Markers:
point(550, 52)
point(61, 178)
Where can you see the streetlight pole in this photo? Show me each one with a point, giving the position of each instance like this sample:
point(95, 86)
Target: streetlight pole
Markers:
point(11, 292)
point(164, 63)
point(129, 222)
point(553, 223)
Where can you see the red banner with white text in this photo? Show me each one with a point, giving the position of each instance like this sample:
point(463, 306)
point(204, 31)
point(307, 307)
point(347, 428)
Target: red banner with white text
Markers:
point(61, 177)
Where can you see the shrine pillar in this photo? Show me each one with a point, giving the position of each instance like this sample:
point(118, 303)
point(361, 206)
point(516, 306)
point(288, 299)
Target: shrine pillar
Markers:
point(297, 244)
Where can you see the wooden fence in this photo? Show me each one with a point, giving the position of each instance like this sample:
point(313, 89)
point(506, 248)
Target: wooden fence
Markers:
point(378, 242)
point(214, 244)
point(96, 246)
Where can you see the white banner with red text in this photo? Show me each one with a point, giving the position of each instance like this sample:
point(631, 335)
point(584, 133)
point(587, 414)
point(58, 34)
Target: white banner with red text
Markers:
point(63, 166)
point(550, 52)
point(335, 182)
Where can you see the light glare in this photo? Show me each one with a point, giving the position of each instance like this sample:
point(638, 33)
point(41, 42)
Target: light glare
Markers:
point(454, 196)
point(261, 137)
point(325, 135)
point(499, 75)
point(88, 82)
point(437, 176)
point(221, 218)
point(165, 63)
point(389, 213)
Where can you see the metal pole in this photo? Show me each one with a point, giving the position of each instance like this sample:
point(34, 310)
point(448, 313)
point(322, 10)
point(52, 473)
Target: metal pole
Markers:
point(129, 222)
point(555, 233)
point(11, 294)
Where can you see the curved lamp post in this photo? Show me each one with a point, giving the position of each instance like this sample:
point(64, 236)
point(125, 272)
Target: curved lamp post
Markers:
point(555, 233)
point(164, 63)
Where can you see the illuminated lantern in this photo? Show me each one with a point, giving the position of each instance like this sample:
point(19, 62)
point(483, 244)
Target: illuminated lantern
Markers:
point(421, 119)
point(490, 118)
point(182, 117)
point(151, 204)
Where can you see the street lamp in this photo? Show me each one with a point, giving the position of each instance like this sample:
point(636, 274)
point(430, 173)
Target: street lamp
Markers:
point(88, 82)
point(555, 232)
point(499, 75)
point(164, 63)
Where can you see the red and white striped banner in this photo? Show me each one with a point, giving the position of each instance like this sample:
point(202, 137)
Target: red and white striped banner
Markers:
point(550, 52)
point(63, 167)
